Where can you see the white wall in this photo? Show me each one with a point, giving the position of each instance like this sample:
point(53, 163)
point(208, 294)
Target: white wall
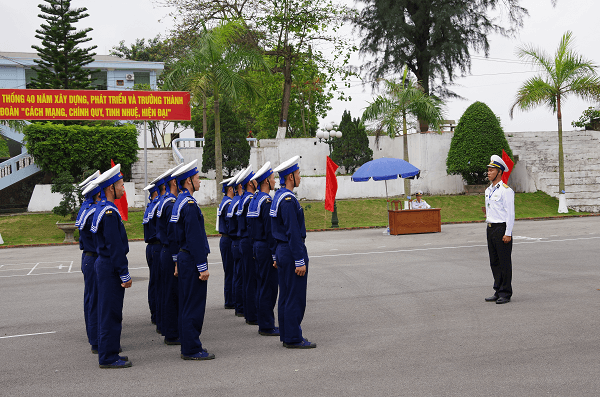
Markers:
point(43, 199)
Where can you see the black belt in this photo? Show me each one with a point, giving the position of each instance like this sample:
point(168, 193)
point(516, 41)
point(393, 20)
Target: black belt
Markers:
point(496, 224)
point(165, 245)
point(224, 235)
point(88, 253)
point(154, 242)
point(182, 250)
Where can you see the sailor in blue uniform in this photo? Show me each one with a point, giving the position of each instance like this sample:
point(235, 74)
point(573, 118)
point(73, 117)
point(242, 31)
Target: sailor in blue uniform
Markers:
point(232, 227)
point(169, 306)
point(288, 228)
point(88, 257)
point(192, 263)
point(225, 243)
point(112, 272)
point(150, 240)
point(250, 282)
point(159, 182)
point(264, 246)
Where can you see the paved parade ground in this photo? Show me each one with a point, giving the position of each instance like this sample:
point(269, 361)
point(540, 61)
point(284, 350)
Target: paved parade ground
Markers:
point(391, 315)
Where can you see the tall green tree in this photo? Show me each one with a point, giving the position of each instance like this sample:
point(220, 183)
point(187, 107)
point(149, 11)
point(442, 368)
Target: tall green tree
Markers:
point(433, 38)
point(401, 101)
point(562, 74)
point(235, 148)
point(352, 149)
point(62, 58)
point(218, 65)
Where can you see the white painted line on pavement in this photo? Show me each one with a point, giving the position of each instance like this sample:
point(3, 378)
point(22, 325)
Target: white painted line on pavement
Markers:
point(18, 336)
point(33, 269)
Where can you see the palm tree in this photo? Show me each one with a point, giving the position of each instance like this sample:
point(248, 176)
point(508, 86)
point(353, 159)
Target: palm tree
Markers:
point(400, 102)
point(565, 73)
point(218, 65)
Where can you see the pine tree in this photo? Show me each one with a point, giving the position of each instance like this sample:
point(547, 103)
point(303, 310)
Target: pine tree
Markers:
point(235, 148)
point(352, 149)
point(62, 61)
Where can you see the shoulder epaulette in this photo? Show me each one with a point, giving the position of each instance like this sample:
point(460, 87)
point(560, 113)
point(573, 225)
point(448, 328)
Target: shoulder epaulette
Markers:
point(505, 185)
point(288, 198)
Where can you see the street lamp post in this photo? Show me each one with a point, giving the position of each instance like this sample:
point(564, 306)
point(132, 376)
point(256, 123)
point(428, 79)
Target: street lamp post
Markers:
point(328, 135)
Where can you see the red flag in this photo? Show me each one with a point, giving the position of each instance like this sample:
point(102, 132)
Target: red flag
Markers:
point(121, 203)
point(331, 184)
point(509, 164)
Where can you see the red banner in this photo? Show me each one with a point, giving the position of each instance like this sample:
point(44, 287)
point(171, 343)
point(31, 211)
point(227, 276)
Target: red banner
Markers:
point(331, 185)
point(93, 105)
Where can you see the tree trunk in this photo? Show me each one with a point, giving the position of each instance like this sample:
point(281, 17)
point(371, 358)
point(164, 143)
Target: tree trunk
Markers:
point(405, 147)
point(287, 88)
point(204, 121)
point(218, 153)
point(561, 158)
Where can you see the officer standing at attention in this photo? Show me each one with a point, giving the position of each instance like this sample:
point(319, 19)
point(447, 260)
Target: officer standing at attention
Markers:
point(150, 240)
point(168, 260)
point(232, 227)
point(288, 228)
point(88, 257)
point(500, 218)
point(112, 272)
point(264, 245)
point(248, 263)
point(225, 243)
point(192, 263)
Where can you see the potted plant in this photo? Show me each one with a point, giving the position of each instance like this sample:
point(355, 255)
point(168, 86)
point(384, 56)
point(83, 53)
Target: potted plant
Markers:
point(64, 184)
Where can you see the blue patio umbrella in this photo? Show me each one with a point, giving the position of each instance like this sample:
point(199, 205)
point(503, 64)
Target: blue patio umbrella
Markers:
point(384, 169)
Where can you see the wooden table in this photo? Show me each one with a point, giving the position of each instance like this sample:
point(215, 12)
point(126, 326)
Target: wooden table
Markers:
point(415, 221)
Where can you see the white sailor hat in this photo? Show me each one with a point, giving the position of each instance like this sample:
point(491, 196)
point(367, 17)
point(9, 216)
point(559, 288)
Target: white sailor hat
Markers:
point(245, 176)
point(288, 166)
point(497, 162)
point(109, 177)
point(225, 184)
point(173, 170)
point(233, 181)
point(160, 180)
point(90, 178)
point(186, 171)
point(419, 193)
point(263, 173)
point(151, 188)
point(91, 190)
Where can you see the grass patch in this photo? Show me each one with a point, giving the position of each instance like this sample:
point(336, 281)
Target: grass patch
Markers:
point(41, 228)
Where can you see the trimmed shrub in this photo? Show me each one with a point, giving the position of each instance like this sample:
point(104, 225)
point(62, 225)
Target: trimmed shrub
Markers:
point(477, 136)
point(352, 149)
point(57, 148)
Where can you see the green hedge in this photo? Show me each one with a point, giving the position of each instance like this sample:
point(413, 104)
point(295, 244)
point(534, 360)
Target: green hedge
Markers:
point(57, 148)
point(477, 136)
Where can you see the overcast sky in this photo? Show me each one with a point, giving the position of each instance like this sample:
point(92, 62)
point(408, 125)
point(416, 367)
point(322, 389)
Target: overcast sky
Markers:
point(494, 80)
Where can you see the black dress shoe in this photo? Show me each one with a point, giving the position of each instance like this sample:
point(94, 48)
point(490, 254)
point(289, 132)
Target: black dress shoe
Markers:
point(492, 298)
point(502, 300)
point(251, 322)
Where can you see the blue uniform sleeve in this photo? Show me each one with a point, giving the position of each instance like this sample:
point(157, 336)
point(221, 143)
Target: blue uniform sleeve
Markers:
point(293, 231)
point(171, 233)
point(266, 218)
point(196, 235)
point(115, 239)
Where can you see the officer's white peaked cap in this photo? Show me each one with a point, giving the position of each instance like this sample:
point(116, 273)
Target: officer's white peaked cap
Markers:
point(90, 178)
point(497, 162)
point(288, 166)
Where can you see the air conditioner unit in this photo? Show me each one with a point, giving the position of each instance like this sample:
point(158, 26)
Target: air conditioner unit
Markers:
point(130, 77)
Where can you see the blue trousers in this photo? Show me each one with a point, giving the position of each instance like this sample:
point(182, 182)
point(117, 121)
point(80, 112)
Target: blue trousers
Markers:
point(292, 295)
point(238, 276)
point(170, 303)
point(227, 258)
point(267, 286)
point(192, 304)
point(90, 299)
point(151, 286)
point(158, 290)
point(250, 279)
point(110, 311)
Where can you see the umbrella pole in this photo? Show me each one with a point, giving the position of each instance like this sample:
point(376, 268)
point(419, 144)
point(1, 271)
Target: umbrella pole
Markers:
point(387, 200)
